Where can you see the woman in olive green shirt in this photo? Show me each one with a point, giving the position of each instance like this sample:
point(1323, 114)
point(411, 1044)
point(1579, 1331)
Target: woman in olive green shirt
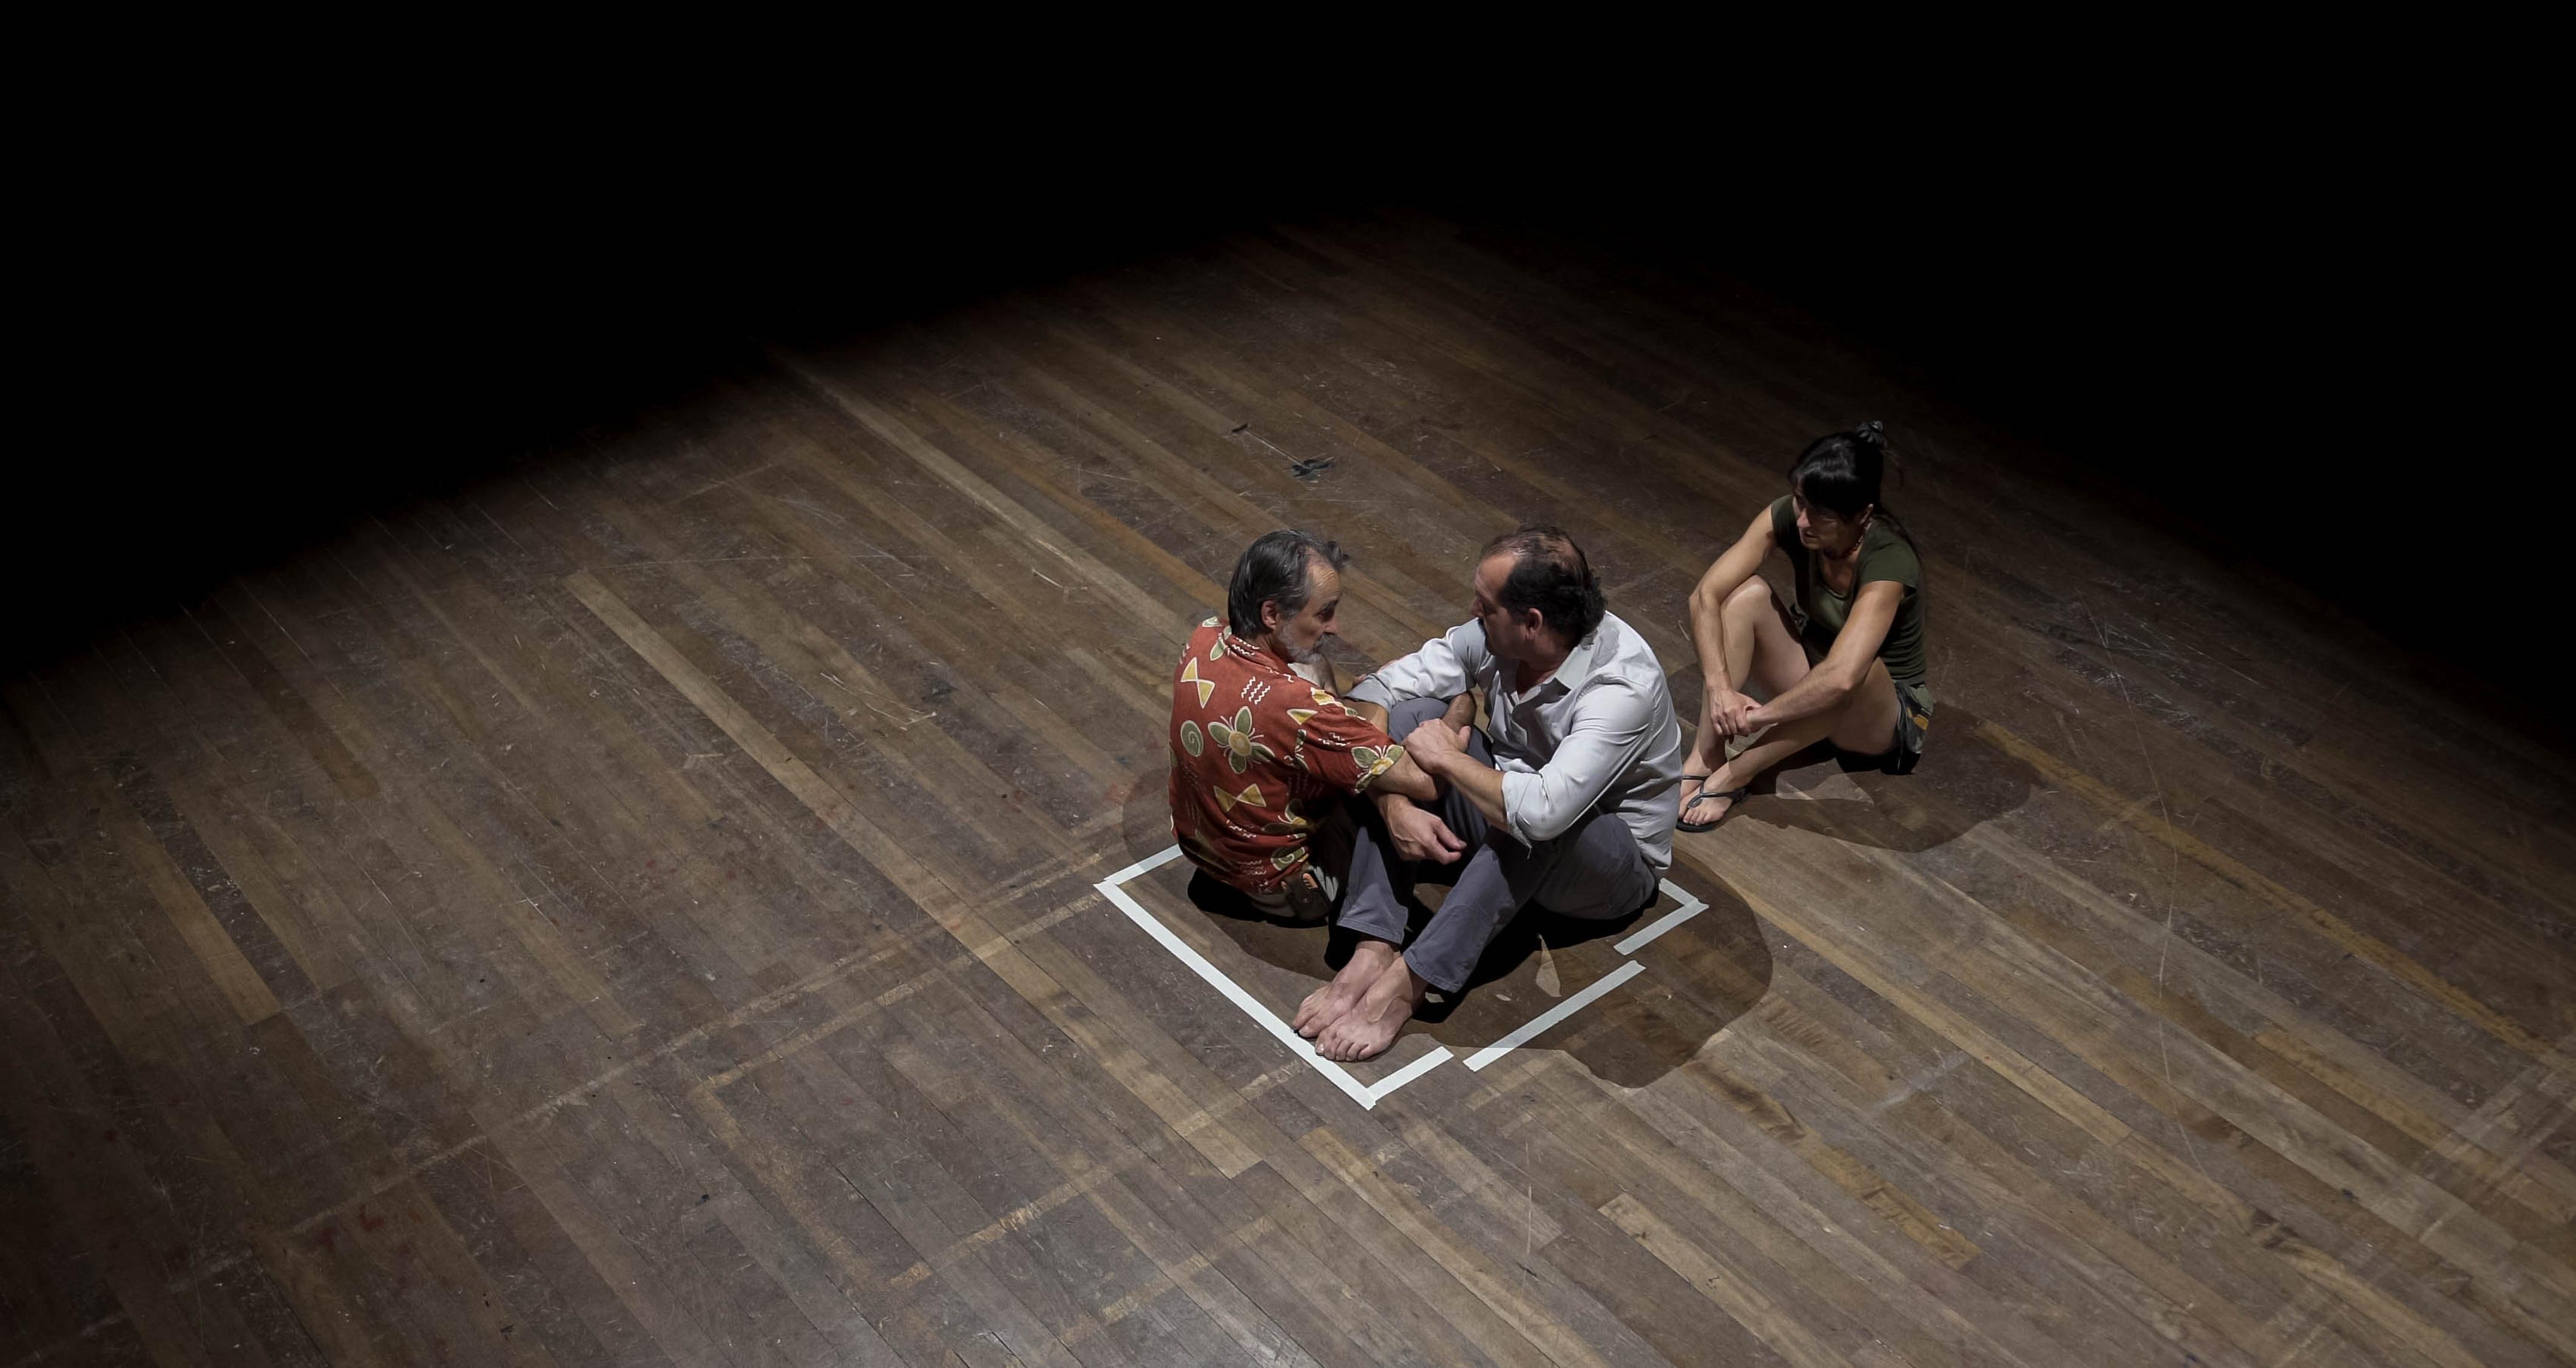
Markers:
point(1844, 664)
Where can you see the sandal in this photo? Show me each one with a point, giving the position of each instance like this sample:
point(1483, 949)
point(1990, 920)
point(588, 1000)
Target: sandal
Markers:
point(1730, 797)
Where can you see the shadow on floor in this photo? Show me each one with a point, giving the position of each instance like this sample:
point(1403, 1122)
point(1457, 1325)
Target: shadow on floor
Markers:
point(1706, 973)
point(1702, 975)
point(1953, 789)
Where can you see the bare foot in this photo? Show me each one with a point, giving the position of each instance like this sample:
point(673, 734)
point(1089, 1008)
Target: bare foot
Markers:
point(1325, 1005)
point(1370, 1025)
point(1702, 808)
point(1689, 790)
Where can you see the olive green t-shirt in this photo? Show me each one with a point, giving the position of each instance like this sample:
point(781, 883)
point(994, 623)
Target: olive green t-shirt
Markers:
point(1884, 555)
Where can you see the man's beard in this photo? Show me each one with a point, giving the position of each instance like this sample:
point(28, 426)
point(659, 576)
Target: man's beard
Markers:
point(1311, 655)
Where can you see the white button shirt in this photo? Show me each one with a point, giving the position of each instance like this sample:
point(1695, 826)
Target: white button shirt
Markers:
point(1600, 731)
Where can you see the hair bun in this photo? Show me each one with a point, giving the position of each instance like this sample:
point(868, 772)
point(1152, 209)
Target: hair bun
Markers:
point(1873, 432)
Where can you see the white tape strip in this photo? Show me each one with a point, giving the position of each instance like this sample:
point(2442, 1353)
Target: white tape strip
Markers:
point(1182, 950)
point(1553, 1015)
point(1690, 907)
point(1438, 1056)
point(1368, 1095)
point(1148, 865)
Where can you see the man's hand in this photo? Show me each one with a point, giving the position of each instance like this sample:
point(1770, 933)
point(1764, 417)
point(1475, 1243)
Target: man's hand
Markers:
point(1434, 744)
point(1441, 751)
point(1731, 713)
point(1421, 835)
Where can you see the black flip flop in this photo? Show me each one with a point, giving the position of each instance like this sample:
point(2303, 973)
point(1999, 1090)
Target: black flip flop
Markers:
point(1731, 797)
point(1692, 782)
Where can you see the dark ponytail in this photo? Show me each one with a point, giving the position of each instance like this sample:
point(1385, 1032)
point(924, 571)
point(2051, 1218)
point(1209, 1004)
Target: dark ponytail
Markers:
point(1842, 472)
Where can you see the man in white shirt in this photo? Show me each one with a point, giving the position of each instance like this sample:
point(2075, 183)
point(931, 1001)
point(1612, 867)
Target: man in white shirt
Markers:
point(1568, 804)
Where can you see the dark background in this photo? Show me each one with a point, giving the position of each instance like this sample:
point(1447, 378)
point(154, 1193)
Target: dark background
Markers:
point(2280, 338)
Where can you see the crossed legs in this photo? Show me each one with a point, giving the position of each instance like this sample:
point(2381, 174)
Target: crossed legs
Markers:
point(1593, 870)
point(1764, 656)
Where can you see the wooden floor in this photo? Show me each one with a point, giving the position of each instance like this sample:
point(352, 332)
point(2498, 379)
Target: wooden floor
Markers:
point(642, 911)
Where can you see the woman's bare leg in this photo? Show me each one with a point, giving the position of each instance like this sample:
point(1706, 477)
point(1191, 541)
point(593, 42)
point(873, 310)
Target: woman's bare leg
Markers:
point(1867, 724)
point(1864, 724)
point(1763, 657)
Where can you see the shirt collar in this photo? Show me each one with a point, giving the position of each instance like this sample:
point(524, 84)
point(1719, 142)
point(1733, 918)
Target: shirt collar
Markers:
point(1578, 662)
point(1252, 652)
point(1572, 672)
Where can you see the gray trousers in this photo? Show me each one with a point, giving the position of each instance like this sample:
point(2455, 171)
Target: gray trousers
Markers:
point(1592, 871)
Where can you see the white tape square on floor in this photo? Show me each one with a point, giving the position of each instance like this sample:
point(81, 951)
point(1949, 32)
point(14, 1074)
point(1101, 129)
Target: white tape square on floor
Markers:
point(1368, 1095)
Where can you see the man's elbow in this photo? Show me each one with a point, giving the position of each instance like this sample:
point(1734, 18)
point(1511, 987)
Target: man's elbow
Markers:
point(1547, 826)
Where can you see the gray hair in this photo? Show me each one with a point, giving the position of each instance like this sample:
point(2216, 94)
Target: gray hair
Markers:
point(1277, 568)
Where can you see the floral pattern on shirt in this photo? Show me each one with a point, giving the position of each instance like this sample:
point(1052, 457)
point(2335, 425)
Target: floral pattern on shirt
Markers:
point(1257, 752)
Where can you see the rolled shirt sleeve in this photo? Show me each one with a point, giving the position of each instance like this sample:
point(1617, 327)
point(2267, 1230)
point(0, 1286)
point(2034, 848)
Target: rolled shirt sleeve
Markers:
point(1613, 724)
point(1445, 667)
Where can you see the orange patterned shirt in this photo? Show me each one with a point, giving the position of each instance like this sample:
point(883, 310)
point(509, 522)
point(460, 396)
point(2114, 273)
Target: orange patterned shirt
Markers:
point(1257, 752)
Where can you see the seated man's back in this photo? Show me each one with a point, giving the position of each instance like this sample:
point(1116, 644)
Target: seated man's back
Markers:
point(1259, 752)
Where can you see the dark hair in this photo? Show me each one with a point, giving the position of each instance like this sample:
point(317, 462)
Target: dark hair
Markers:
point(1841, 473)
point(1277, 568)
point(1549, 573)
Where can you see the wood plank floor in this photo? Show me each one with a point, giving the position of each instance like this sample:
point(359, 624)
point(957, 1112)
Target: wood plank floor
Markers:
point(641, 910)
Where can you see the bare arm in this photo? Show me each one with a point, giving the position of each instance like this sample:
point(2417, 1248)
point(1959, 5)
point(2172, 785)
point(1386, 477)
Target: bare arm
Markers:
point(1418, 834)
point(1708, 600)
point(1406, 778)
point(1462, 711)
point(1844, 667)
point(1442, 750)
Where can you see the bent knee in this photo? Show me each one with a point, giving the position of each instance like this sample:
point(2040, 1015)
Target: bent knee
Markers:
point(1754, 592)
point(1413, 712)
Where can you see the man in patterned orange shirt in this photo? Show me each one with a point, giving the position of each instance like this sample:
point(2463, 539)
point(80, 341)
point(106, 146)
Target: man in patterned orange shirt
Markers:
point(1261, 753)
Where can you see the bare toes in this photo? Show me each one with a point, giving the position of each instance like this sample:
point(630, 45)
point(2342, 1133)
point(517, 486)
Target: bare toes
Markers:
point(1364, 1044)
point(1315, 1014)
point(1334, 1044)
